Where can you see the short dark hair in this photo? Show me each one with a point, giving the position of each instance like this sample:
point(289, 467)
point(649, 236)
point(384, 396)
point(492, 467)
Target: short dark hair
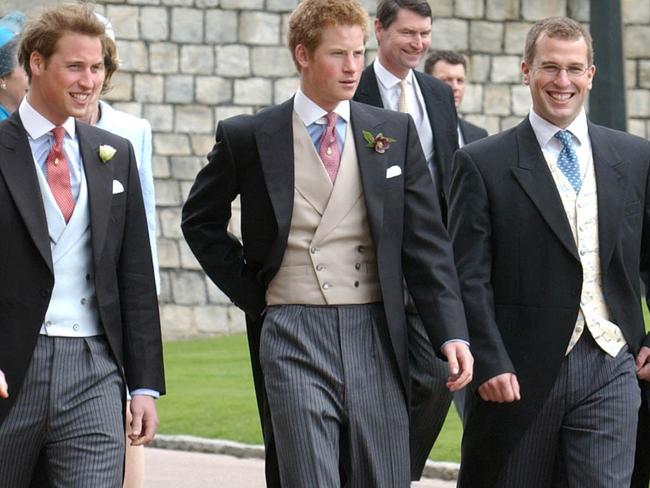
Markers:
point(451, 57)
point(387, 10)
point(43, 32)
point(557, 28)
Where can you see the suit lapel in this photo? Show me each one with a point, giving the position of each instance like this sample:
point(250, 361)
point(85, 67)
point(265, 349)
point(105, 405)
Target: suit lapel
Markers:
point(99, 178)
point(368, 89)
point(17, 168)
point(535, 178)
point(275, 149)
point(372, 167)
point(610, 183)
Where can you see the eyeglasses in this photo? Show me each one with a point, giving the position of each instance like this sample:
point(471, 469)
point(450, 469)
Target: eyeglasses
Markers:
point(555, 70)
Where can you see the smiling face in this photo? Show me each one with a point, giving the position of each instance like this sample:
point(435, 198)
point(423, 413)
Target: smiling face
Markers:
point(403, 43)
point(558, 98)
point(331, 73)
point(63, 85)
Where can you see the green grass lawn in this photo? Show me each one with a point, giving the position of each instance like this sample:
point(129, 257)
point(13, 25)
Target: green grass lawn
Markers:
point(210, 394)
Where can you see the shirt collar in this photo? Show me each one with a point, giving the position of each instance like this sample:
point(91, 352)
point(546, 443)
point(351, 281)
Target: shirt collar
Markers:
point(544, 130)
point(309, 112)
point(388, 79)
point(36, 125)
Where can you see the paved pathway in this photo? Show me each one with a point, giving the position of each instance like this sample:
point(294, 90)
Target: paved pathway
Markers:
point(179, 469)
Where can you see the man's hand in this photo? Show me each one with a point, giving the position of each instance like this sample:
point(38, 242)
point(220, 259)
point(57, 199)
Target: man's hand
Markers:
point(144, 420)
point(643, 364)
point(503, 388)
point(4, 387)
point(461, 364)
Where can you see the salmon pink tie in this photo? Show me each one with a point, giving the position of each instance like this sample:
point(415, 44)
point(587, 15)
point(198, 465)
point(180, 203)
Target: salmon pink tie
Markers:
point(58, 174)
point(329, 149)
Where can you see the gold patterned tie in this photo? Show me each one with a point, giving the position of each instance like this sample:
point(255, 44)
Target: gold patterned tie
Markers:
point(402, 102)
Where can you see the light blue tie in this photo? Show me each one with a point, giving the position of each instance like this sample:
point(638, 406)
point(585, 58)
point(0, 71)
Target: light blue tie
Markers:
point(567, 161)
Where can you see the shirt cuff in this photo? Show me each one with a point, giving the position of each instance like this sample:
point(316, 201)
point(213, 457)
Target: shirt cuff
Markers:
point(453, 340)
point(145, 391)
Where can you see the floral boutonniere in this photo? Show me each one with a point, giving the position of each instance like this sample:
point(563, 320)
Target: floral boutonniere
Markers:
point(380, 143)
point(106, 152)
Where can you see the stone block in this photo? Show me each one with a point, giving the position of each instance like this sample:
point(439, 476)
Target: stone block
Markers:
point(186, 187)
point(473, 98)
point(579, 10)
point(502, 9)
point(160, 116)
point(165, 295)
point(163, 57)
point(233, 60)
point(284, 88)
point(220, 26)
point(479, 68)
point(237, 320)
point(141, 2)
point(133, 56)
point(168, 255)
point(178, 3)
point(521, 100)
point(253, 91)
point(187, 25)
point(177, 321)
point(505, 69)
point(281, 5)
point(167, 144)
point(188, 261)
point(439, 8)
point(631, 78)
point(636, 11)
point(188, 288)
point(185, 168)
point(535, 10)
point(644, 74)
point(121, 88)
point(205, 4)
point(213, 90)
point(452, 34)
point(215, 295)
point(225, 112)
point(637, 41)
point(170, 223)
point(211, 320)
point(497, 99)
point(197, 59)
point(161, 167)
point(638, 103)
point(489, 123)
point(515, 37)
point(272, 62)
point(133, 108)
point(194, 119)
point(259, 28)
point(179, 88)
point(167, 193)
point(202, 145)
point(509, 122)
point(637, 127)
point(469, 9)
point(243, 4)
point(486, 37)
point(125, 21)
point(149, 88)
point(155, 24)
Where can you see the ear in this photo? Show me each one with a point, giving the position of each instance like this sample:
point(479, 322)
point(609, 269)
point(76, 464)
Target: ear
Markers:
point(591, 72)
point(525, 71)
point(36, 63)
point(302, 55)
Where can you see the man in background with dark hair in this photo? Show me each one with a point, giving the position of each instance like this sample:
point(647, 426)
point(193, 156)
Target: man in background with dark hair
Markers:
point(403, 31)
point(451, 68)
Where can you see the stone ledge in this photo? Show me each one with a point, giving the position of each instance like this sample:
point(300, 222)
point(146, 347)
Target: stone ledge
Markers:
point(440, 470)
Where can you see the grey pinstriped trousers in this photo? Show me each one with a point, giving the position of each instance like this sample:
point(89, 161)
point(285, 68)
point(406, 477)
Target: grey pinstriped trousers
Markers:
point(584, 435)
point(70, 406)
point(338, 411)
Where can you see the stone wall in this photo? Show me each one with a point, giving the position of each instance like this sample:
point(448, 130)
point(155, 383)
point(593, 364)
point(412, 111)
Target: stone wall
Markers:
point(186, 64)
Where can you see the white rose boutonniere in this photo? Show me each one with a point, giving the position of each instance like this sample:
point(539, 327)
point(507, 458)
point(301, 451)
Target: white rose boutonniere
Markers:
point(106, 152)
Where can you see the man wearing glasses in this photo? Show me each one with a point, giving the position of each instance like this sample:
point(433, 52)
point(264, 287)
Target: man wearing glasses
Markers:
point(551, 226)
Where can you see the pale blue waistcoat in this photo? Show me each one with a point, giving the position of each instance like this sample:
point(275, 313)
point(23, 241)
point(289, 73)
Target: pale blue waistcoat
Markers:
point(72, 311)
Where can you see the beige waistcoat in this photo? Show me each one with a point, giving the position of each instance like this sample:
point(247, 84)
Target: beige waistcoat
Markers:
point(330, 257)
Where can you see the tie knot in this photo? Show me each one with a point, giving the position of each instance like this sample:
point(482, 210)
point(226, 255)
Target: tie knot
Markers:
point(564, 136)
point(59, 134)
point(331, 119)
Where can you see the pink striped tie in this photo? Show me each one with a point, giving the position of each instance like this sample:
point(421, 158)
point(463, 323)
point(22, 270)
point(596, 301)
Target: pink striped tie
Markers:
point(329, 148)
point(58, 174)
